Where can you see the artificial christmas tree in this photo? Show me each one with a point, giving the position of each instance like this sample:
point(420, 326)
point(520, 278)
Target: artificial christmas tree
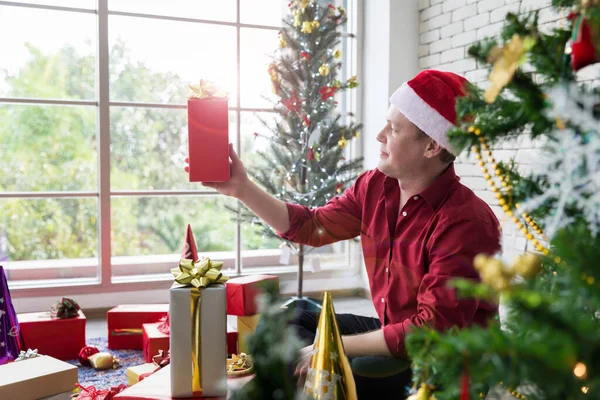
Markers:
point(305, 162)
point(549, 345)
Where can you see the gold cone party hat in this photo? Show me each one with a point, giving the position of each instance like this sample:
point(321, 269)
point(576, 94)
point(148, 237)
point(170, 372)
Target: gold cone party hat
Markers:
point(329, 375)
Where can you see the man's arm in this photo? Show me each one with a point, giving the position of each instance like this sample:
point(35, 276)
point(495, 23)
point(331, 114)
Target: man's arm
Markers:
point(366, 344)
point(271, 210)
point(338, 220)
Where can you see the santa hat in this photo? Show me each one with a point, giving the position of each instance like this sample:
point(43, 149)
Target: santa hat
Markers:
point(429, 101)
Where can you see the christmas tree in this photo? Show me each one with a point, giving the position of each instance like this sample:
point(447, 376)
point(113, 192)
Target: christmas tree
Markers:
point(304, 162)
point(549, 345)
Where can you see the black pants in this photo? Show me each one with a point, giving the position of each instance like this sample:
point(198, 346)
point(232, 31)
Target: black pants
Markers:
point(391, 387)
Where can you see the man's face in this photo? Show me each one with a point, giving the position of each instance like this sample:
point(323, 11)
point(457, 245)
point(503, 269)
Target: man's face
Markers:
point(402, 151)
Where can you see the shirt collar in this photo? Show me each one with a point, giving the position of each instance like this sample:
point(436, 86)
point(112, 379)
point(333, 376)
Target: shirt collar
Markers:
point(435, 193)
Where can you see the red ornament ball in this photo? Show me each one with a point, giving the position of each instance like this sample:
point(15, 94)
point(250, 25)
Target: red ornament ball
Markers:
point(84, 353)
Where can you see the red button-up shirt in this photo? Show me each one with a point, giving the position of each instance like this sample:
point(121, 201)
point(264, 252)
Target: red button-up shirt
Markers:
point(412, 253)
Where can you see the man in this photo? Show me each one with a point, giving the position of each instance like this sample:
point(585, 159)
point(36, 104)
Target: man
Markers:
point(418, 225)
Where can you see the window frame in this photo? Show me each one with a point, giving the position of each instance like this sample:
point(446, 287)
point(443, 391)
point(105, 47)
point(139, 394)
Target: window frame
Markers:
point(255, 261)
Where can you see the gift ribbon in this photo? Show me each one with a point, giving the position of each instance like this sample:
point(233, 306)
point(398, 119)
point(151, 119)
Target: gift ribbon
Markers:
point(126, 331)
point(25, 355)
point(198, 274)
point(66, 308)
point(205, 90)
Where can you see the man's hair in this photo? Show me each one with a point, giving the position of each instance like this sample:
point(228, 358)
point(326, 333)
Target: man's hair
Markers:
point(445, 156)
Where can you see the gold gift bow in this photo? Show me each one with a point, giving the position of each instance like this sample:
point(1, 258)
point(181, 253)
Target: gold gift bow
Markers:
point(198, 274)
point(206, 90)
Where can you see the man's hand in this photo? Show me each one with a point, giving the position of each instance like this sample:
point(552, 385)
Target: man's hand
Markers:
point(238, 177)
point(303, 363)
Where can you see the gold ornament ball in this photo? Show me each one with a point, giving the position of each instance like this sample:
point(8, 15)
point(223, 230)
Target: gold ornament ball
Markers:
point(324, 70)
point(343, 143)
point(480, 261)
point(412, 397)
point(282, 43)
point(337, 53)
point(528, 265)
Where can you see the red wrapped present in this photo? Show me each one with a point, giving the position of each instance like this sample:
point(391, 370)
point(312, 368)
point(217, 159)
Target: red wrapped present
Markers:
point(232, 342)
point(208, 134)
point(58, 338)
point(154, 340)
point(242, 292)
point(125, 323)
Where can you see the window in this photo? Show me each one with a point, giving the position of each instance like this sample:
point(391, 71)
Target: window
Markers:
point(93, 136)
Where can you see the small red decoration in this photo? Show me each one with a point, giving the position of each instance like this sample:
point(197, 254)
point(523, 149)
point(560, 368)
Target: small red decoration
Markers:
point(464, 386)
point(581, 46)
point(311, 155)
point(327, 92)
point(293, 103)
point(84, 353)
point(338, 187)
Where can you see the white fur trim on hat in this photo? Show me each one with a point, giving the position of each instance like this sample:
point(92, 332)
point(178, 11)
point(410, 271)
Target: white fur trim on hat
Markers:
point(425, 117)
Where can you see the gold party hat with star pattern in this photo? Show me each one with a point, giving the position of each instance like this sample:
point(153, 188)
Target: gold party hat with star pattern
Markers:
point(329, 375)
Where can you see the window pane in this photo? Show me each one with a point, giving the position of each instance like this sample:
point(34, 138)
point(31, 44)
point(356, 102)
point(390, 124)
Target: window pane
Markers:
point(257, 48)
point(222, 10)
point(144, 226)
point(263, 12)
point(253, 236)
point(148, 148)
point(156, 60)
point(87, 4)
point(47, 54)
point(47, 148)
point(49, 239)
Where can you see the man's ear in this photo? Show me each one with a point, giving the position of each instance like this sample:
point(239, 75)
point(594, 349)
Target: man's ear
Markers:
point(433, 149)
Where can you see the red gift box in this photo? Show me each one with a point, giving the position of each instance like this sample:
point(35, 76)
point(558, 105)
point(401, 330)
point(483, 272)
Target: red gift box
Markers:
point(208, 140)
point(242, 292)
point(232, 342)
point(57, 338)
point(125, 323)
point(153, 340)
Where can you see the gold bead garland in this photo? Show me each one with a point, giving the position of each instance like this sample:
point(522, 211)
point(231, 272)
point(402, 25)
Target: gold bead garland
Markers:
point(503, 199)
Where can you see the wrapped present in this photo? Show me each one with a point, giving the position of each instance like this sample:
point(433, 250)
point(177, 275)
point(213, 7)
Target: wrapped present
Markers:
point(242, 293)
point(156, 387)
point(35, 378)
point(245, 326)
point(232, 342)
point(134, 373)
point(10, 333)
point(154, 339)
point(198, 329)
point(60, 338)
point(208, 134)
point(125, 323)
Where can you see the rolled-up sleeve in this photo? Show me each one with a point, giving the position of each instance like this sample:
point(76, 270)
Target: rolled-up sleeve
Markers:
point(339, 219)
point(451, 251)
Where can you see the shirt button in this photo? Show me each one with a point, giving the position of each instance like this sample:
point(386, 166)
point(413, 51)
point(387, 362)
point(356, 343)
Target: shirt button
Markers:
point(387, 270)
point(382, 300)
point(404, 213)
point(416, 198)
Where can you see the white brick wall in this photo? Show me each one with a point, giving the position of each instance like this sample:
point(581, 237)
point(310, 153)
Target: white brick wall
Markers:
point(448, 28)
